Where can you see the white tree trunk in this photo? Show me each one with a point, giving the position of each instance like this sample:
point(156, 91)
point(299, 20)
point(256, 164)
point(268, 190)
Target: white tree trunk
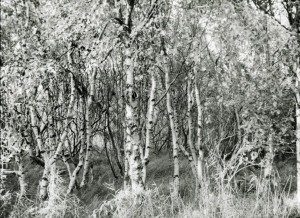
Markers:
point(21, 175)
point(297, 86)
point(149, 125)
point(200, 161)
point(190, 158)
point(298, 149)
point(133, 141)
point(43, 193)
point(126, 159)
point(44, 182)
point(81, 152)
point(35, 128)
point(269, 158)
point(48, 159)
point(189, 117)
point(173, 131)
point(88, 130)
point(238, 124)
point(65, 160)
point(88, 145)
point(69, 116)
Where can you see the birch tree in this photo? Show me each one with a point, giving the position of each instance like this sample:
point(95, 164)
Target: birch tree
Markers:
point(173, 129)
point(292, 9)
point(149, 125)
point(88, 127)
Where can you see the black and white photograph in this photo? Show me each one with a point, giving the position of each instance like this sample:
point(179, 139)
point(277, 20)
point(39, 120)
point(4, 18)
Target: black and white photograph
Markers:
point(149, 108)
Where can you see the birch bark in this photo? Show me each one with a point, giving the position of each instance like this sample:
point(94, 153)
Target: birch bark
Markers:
point(79, 166)
point(173, 131)
point(133, 141)
point(200, 160)
point(86, 165)
point(149, 125)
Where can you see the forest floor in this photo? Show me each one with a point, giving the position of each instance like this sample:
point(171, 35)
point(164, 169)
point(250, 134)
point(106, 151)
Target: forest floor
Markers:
point(241, 199)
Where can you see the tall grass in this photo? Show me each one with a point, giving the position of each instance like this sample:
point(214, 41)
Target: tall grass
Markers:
point(206, 203)
point(57, 205)
point(227, 192)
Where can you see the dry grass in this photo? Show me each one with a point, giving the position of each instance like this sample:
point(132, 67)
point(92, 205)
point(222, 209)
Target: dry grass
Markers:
point(246, 195)
point(217, 197)
point(206, 204)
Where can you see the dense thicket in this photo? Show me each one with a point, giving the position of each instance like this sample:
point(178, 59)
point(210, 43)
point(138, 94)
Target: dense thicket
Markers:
point(87, 84)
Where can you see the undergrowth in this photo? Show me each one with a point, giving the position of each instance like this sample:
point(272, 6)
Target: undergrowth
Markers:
point(243, 195)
